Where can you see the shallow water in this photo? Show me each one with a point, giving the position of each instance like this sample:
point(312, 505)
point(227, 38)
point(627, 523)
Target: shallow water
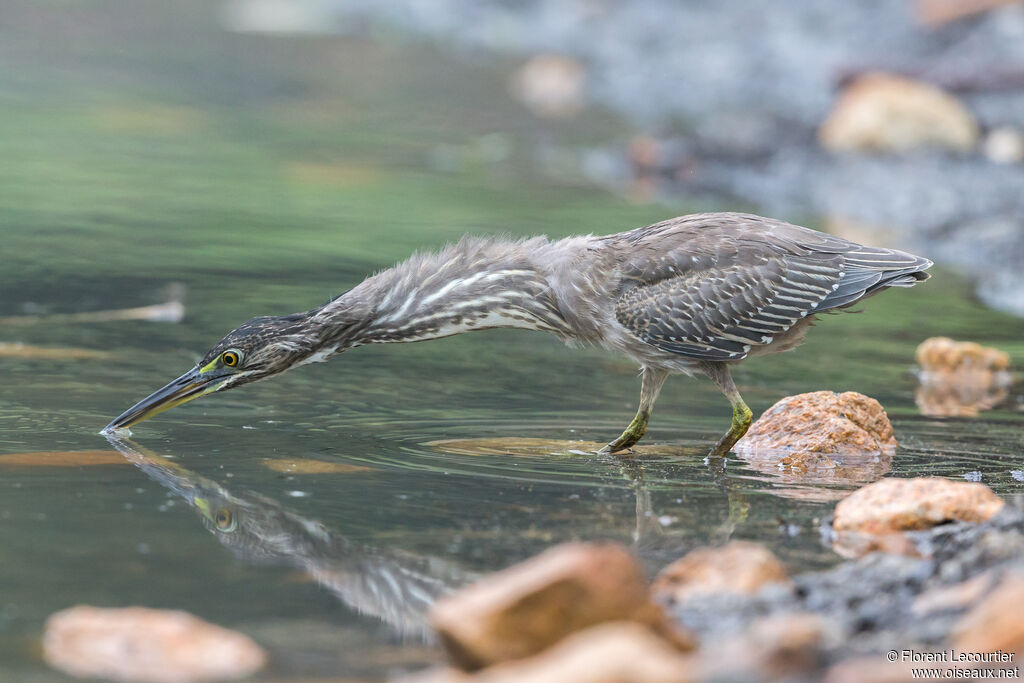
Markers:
point(259, 202)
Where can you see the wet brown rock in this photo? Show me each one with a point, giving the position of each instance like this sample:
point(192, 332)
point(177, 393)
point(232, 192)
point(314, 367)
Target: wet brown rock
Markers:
point(522, 610)
point(887, 113)
point(797, 430)
point(618, 652)
point(892, 505)
point(739, 567)
point(141, 644)
point(995, 623)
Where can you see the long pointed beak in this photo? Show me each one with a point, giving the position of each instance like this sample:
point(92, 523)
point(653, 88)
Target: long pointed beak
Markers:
point(182, 390)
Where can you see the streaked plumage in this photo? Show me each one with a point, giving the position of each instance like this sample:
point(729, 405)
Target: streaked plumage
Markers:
point(693, 294)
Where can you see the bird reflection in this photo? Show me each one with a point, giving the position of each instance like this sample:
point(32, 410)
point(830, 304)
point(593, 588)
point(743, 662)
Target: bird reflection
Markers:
point(394, 586)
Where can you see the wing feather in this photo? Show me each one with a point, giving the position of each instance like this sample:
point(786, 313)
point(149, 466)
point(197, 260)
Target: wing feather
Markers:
point(714, 286)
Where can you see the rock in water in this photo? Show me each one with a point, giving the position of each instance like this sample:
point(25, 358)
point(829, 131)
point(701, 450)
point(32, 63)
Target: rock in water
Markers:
point(942, 354)
point(800, 428)
point(139, 644)
point(885, 113)
point(739, 567)
point(618, 652)
point(893, 505)
point(960, 379)
point(522, 610)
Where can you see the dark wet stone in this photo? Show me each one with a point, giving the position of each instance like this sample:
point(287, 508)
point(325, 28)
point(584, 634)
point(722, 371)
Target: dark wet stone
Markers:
point(870, 602)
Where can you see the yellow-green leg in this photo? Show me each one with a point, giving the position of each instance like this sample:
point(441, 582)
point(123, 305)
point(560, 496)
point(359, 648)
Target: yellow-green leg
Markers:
point(650, 387)
point(742, 416)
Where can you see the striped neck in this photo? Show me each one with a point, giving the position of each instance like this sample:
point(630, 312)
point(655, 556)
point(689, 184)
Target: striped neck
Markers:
point(473, 285)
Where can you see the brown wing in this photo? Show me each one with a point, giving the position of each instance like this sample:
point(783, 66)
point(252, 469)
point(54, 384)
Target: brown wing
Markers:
point(713, 286)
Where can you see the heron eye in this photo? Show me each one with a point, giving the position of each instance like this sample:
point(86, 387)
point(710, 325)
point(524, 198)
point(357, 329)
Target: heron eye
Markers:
point(224, 520)
point(230, 358)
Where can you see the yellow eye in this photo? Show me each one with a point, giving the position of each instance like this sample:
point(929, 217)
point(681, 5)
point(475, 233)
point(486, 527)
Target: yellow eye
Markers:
point(224, 520)
point(230, 358)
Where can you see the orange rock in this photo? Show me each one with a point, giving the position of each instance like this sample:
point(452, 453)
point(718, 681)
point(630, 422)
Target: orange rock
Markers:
point(995, 623)
point(893, 505)
point(618, 652)
point(943, 354)
point(739, 567)
point(819, 422)
point(522, 610)
point(882, 112)
point(146, 645)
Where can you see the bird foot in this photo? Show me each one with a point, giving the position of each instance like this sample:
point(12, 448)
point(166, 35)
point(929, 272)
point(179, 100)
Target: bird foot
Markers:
point(612, 448)
point(721, 449)
point(634, 432)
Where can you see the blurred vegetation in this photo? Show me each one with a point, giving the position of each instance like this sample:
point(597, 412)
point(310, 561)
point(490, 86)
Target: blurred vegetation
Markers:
point(252, 154)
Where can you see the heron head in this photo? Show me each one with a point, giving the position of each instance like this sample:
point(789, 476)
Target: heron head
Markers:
point(260, 348)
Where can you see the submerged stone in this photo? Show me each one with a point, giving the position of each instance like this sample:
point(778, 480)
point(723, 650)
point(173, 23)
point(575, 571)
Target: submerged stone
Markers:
point(534, 447)
point(311, 466)
point(62, 459)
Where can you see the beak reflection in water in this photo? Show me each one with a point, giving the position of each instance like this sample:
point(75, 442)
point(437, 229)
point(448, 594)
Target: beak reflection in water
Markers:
point(191, 385)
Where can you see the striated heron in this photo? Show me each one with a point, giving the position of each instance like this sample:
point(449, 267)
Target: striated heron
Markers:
point(694, 294)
